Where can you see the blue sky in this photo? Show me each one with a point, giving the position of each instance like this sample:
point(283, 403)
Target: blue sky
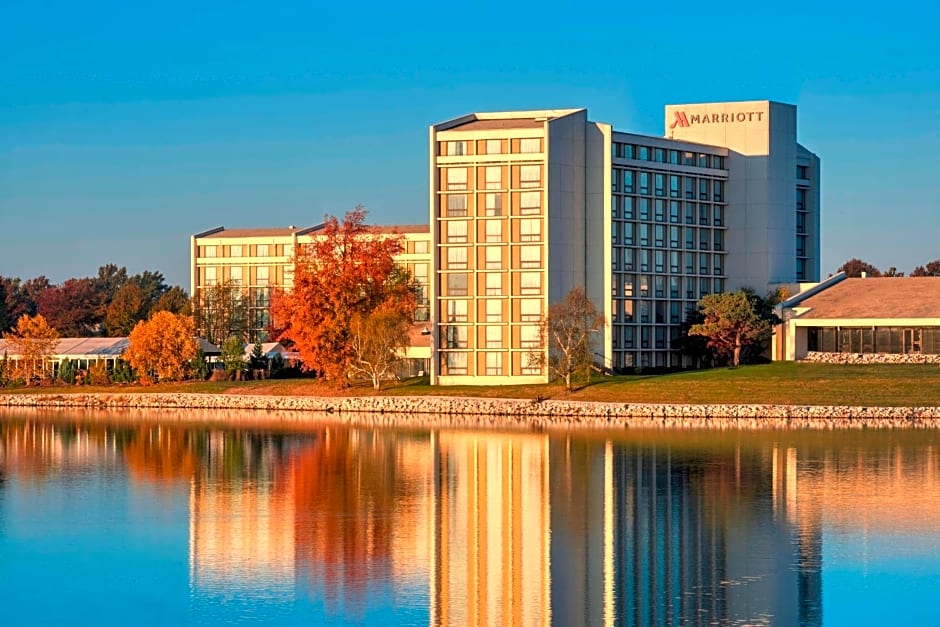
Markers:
point(126, 127)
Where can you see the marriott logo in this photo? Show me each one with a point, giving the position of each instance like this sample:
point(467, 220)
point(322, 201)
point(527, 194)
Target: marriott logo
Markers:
point(683, 120)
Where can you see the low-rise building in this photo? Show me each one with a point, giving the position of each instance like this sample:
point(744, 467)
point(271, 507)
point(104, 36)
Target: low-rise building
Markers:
point(868, 318)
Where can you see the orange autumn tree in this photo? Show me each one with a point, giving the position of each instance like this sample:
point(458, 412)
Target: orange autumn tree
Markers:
point(33, 342)
point(347, 273)
point(162, 347)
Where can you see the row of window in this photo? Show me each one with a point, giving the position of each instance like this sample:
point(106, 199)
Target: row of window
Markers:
point(893, 340)
point(621, 150)
point(491, 258)
point(248, 250)
point(492, 177)
point(650, 358)
point(643, 337)
point(661, 236)
point(457, 148)
point(212, 275)
point(663, 185)
point(687, 289)
point(454, 363)
point(490, 336)
point(672, 211)
point(493, 310)
point(524, 283)
point(491, 204)
point(492, 231)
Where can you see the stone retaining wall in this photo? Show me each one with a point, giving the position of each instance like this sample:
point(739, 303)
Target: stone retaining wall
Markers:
point(870, 358)
point(438, 411)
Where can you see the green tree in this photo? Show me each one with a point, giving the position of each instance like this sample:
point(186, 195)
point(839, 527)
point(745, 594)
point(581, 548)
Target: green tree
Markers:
point(67, 371)
point(174, 300)
point(258, 361)
point(199, 368)
point(931, 269)
point(127, 308)
point(568, 330)
point(733, 322)
point(233, 355)
point(854, 268)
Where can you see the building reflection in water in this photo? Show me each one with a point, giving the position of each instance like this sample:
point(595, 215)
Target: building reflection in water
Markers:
point(510, 528)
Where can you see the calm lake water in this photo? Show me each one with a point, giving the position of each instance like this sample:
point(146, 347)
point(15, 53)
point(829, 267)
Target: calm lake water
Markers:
point(161, 523)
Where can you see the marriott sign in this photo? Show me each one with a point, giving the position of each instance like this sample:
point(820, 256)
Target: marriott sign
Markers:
point(683, 120)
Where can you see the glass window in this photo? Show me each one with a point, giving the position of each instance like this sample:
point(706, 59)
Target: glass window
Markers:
point(674, 157)
point(494, 257)
point(494, 177)
point(530, 230)
point(493, 204)
point(659, 181)
point(673, 185)
point(457, 231)
point(493, 361)
point(235, 250)
point(703, 239)
point(702, 160)
point(645, 183)
point(457, 205)
point(703, 214)
point(456, 311)
point(494, 284)
point(629, 208)
point(674, 211)
point(457, 284)
point(628, 176)
point(659, 155)
point(629, 259)
point(530, 144)
point(235, 274)
point(456, 363)
point(494, 310)
point(530, 203)
point(456, 148)
point(703, 189)
point(208, 251)
point(530, 283)
point(717, 192)
point(494, 146)
point(629, 151)
point(703, 259)
point(718, 241)
point(629, 233)
point(530, 256)
point(660, 210)
point(421, 247)
point(718, 262)
point(644, 235)
point(211, 275)
point(262, 275)
point(494, 337)
point(644, 208)
point(261, 250)
point(494, 231)
point(456, 178)
point(454, 336)
point(457, 258)
point(688, 158)
point(643, 153)
point(530, 310)
point(717, 215)
point(530, 176)
point(659, 235)
point(530, 336)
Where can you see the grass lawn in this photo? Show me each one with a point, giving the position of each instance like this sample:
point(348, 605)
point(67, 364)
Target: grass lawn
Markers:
point(785, 383)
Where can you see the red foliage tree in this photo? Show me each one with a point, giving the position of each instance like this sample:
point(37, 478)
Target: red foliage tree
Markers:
point(349, 269)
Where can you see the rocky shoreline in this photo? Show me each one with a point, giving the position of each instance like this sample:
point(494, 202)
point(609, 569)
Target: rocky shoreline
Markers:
point(462, 412)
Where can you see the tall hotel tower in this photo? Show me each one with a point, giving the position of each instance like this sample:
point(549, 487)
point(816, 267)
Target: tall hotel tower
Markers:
point(526, 205)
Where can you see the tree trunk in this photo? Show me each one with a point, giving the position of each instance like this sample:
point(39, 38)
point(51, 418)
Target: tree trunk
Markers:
point(737, 352)
point(567, 382)
point(376, 383)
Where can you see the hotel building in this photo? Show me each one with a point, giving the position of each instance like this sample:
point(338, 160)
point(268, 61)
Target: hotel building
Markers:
point(526, 205)
point(258, 260)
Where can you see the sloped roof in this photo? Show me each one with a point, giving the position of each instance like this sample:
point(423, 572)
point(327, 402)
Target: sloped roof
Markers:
point(877, 297)
point(81, 347)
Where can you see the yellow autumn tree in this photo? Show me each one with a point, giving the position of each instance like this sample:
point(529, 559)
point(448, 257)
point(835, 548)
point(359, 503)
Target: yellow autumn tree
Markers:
point(162, 347)
point(32, 344)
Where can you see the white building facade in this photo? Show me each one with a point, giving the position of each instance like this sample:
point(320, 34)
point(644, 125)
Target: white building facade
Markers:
point(526, 205)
